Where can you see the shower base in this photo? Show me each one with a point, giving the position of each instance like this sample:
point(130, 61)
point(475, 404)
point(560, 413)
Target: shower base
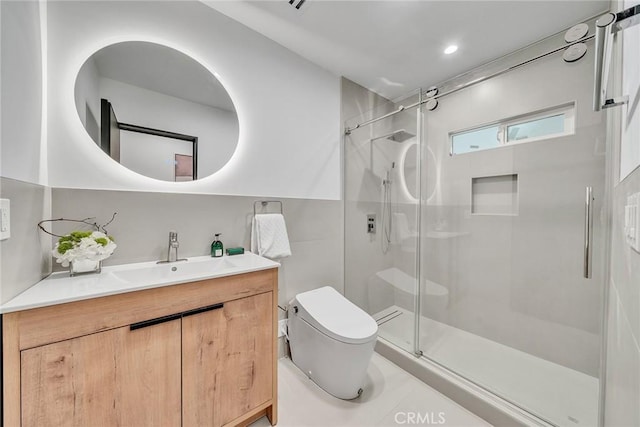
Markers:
point(557, 394)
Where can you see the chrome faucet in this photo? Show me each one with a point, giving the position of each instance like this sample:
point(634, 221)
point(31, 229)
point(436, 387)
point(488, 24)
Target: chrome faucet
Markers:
point(172, 253)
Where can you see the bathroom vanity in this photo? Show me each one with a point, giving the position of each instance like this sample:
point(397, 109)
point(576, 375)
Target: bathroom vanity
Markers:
point(155, 347)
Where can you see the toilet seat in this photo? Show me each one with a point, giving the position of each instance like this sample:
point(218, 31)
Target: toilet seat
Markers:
point(332, 314)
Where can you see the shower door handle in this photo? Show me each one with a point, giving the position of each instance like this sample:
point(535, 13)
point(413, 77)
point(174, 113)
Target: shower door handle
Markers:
point(588, 231)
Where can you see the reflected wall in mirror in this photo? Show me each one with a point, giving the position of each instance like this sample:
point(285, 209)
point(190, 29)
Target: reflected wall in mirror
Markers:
point(156, 111)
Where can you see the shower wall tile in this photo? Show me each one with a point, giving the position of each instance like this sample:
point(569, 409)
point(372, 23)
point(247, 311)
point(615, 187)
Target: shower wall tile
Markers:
point(364, 256)
point(359, 103)
point(517, 279)
point(365, 166)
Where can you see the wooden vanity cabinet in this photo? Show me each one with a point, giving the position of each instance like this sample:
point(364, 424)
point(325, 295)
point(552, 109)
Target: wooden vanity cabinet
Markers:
point(195, 354)
point(113, 378)
point(225, 372)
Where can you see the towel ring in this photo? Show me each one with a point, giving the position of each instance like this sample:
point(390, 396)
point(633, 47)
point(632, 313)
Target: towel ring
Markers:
point(264, 204)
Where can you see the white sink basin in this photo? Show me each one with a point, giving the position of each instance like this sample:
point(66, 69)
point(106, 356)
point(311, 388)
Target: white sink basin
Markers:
point(193, 269)
point(175, 270)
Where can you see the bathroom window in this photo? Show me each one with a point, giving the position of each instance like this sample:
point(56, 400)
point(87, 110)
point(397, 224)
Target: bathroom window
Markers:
point(536, 126)
point(475, 139)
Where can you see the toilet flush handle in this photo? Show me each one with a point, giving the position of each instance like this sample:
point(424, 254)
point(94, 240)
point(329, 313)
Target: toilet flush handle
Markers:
point(295, 309)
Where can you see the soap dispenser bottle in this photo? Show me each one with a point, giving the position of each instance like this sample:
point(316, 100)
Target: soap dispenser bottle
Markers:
point(216, 247)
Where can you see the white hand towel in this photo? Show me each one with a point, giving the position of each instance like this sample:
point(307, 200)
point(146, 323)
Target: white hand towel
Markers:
point(269, 236)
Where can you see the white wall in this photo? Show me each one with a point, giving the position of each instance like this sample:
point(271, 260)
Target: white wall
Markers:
point(21, 83)
point(21, 257)
point(289, 145)
point(288, 108)
point(216, 129)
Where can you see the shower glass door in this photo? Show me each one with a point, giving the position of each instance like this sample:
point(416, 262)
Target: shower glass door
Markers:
point(381, 219)
point(504, 301)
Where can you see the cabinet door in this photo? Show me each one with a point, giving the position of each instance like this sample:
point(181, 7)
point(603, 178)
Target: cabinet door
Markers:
point(113, 378)
point(227, 361)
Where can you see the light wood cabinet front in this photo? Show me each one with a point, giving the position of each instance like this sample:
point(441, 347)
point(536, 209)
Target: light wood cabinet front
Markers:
point(114, 378)
point(195, 354)
point(227, 361)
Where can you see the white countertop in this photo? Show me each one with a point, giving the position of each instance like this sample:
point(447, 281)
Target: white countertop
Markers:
point(59, 288)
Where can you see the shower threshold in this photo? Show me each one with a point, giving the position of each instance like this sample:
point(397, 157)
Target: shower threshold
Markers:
point(562, 396)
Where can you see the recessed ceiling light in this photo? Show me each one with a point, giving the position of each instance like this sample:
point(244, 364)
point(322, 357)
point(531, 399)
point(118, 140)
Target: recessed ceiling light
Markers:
point(450, 49)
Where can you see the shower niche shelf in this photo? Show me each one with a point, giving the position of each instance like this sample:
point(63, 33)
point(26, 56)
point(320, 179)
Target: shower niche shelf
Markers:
point(495, 195)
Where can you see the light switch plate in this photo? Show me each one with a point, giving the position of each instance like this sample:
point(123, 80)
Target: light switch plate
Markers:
point(632, 221)
point(5, 219)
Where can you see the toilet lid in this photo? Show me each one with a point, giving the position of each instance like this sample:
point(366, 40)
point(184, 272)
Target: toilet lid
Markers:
point(332, 314)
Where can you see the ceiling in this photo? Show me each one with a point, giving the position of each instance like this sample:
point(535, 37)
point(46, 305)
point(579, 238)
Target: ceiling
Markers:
point(162, 69)
point(393, 47)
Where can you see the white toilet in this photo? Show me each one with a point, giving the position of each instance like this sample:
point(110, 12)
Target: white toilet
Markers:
point(331, 340)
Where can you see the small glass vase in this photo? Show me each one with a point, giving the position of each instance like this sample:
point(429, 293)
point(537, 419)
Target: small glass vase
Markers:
point(84, 266)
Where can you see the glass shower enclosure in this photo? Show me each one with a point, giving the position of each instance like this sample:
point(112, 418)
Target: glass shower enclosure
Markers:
point(475, 232)
point(382, 212)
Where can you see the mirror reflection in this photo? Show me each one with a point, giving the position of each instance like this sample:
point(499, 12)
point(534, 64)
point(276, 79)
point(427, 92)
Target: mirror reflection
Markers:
point(156, 111)
point(410, 170)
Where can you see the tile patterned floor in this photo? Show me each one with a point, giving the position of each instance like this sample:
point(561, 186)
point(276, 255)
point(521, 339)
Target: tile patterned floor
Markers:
point(392, 397)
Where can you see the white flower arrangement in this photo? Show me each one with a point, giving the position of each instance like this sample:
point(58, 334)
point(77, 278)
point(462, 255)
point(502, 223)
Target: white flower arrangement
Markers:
point(83, 245)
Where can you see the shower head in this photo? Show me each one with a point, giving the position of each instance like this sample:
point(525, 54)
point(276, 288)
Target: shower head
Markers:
point(399, 135)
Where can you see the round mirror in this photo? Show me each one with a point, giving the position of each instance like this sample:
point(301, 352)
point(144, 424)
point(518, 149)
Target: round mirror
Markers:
point(156, 111)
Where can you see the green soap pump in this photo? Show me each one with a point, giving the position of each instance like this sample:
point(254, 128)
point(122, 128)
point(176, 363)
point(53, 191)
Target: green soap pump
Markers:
point(216, 247)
